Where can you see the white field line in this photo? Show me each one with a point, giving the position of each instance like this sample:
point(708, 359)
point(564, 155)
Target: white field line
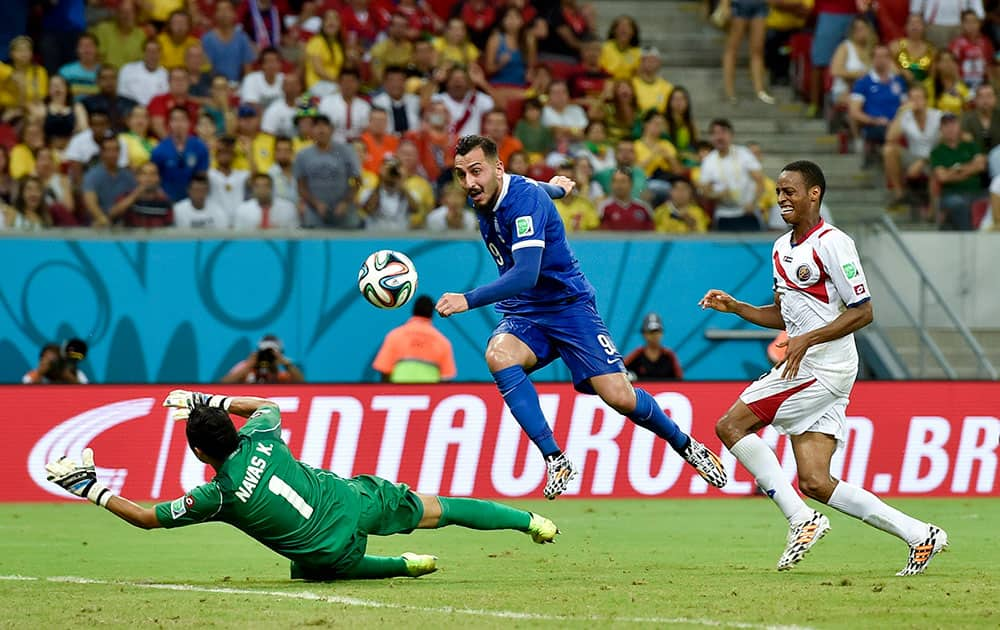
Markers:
point(367, 603)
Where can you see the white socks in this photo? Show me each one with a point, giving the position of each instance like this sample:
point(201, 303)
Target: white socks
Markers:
point(864, 505)
point(763, 464)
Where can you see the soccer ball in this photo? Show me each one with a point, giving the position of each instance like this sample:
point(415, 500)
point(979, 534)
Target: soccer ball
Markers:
point(387, 279)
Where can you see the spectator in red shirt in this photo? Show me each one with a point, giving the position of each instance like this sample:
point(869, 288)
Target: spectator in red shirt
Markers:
point(586, 84)
point(621, 211)
point(479, 17)
point(420, 19)
point(973, 51)
point(362, 21)
point(567, 25)
point(148, 205)
point(177, 96)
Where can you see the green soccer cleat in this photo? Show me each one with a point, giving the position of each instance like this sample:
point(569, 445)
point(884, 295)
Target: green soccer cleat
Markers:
point(542, 530)
point(419, 564)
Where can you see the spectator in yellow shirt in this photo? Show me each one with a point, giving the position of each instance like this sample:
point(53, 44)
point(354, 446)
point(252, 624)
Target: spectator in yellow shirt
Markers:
point(22, 156)
point(681, 128)
point(651, 90)
point(159, 11)
point(454, 47)
point(769, 200)
point(254, 148)
point(784, 19)
point(121, 40)
point(175, 39)
point(27, 83)
point(680, 214)
point(415, 181)
point(576, 209)
point(394, 50)
point(325, 56)
point(653, 154)
point(620, 53)
point(136, 139)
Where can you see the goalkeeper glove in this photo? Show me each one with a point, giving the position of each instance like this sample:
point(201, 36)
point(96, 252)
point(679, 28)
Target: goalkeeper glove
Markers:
point(80, 479)
point(184, 401)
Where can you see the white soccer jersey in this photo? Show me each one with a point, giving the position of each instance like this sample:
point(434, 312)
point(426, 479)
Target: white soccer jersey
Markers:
point(816, 280)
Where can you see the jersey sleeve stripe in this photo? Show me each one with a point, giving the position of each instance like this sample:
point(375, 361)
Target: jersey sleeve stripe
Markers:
point(859, 302)
point(529, 243)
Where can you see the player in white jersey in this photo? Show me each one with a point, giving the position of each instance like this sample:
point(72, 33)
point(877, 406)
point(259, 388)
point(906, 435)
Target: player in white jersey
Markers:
point(820, 298)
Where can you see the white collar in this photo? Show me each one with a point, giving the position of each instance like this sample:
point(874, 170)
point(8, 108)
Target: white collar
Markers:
point(504, 186)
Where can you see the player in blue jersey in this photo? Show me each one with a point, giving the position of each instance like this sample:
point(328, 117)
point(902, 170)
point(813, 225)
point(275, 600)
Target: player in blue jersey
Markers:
point(548, 311)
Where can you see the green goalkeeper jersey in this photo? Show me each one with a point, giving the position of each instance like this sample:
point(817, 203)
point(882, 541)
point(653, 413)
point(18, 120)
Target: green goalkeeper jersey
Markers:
point(303, 513)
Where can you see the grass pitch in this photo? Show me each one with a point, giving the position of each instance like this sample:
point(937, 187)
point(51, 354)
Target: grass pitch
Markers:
point(665, 563)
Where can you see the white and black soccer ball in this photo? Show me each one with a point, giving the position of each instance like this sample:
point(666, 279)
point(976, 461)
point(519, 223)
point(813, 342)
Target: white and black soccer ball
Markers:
point(387, 279)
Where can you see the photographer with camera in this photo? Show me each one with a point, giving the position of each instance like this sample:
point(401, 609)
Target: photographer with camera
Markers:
point(388, 206)
point(59, 364)
point(266, 364)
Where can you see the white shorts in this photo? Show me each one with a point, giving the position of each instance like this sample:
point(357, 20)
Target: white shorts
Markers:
point(795, 406)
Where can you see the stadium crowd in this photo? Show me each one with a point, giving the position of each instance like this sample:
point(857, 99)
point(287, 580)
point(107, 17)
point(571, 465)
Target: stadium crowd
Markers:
point(264, 114)
point(256, 114)
point(910, 86)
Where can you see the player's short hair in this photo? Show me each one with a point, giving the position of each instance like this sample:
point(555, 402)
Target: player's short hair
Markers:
point(424, 307)
point(811, 173)
point(468, 144)
point(212, 431)
point(967, 12)
point(199, 178)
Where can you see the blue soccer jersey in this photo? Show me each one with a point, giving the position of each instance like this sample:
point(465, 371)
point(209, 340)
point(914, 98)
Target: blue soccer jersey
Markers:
point(524, 216)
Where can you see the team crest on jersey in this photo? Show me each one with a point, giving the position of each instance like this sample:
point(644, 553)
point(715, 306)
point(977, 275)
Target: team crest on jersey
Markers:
point(803, 273)
point(524, 226)
point(178, 508)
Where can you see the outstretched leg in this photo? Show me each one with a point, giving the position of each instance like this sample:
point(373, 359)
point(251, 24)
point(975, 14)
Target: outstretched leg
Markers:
point(813, 452)
point(484, 515)
point(369, 568)
point(638, 406)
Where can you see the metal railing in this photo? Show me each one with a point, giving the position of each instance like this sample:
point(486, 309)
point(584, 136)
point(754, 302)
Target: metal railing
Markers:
point(929, 297)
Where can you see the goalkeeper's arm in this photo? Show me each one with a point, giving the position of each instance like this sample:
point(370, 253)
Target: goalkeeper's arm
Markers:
point(183, 401)
point(81, 479)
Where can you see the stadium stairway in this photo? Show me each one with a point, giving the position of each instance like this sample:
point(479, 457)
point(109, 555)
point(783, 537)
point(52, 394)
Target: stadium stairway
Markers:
point(692, 51)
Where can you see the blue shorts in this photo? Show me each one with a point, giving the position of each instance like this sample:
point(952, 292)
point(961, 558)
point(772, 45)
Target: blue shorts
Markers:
point(831, 29)
point(749, 10)
point(577, 334)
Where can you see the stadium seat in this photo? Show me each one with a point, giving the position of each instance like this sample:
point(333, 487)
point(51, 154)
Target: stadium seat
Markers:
point(800, 45)
point(514, 107)
point(979, 209)
point(541, 172)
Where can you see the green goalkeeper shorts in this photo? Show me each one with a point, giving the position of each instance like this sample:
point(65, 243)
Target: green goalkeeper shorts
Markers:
point(386, 508)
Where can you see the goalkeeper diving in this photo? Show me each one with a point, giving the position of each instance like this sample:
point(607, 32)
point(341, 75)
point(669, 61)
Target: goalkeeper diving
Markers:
point(319, 521)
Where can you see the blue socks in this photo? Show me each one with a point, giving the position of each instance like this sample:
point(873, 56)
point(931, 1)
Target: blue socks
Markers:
point(521, 397)
point(648, 415)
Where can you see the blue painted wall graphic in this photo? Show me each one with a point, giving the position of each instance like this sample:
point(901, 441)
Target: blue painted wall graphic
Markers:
point(185, 311)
